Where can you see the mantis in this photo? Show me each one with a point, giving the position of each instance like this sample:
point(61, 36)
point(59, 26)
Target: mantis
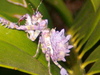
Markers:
point(54, 44)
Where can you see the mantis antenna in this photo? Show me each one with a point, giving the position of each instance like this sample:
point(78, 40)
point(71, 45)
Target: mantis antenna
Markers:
point(39, 5)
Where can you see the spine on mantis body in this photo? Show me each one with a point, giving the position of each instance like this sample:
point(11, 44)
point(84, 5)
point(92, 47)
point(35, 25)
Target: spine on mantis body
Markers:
point(8, 24)
point(61, 48)
point(55, 45)
point(33, 25)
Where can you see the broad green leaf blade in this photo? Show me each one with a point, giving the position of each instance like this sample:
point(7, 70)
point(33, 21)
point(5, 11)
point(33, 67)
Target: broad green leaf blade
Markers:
point(83, 17)
point(10, 10)
point(81, 20)
point(94, 57)
point(85, 36)
point(16, 8)
point(62, 10)
point(93, 39)
point(85, 26)
point(96, 4)
point(14, 58)
point(95, 69)
point(18, 39)
point(18, 2)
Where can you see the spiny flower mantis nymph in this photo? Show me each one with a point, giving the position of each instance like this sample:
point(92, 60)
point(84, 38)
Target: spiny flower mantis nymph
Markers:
point(54, 44)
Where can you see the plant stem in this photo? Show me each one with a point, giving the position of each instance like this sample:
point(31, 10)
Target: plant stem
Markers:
point(75, 64)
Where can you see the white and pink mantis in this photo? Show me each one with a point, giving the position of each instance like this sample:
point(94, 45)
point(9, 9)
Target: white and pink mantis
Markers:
point(54, 44)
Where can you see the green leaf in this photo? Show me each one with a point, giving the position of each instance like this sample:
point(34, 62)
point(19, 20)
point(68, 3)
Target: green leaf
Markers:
point(14, 58)
point(93, 57)
point(9, 10)
point(18, 2)
point(16, 48)
point(96, 4)
point(62, 10)
point(16, 8)
point(20, 47)
point(85, 37)
point(16, 51)
point(93, 39)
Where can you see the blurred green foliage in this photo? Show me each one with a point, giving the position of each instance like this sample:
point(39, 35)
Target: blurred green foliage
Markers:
point(16, 50)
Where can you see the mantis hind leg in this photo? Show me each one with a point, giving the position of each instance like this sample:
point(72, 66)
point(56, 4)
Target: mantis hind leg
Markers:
point(37, 51)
